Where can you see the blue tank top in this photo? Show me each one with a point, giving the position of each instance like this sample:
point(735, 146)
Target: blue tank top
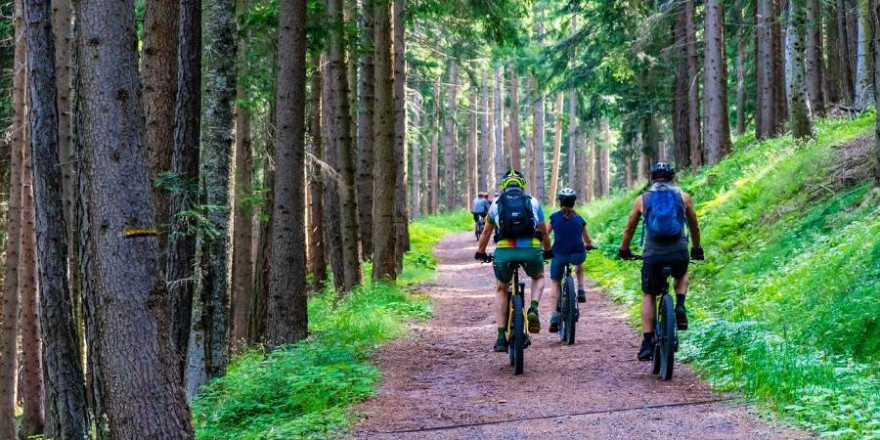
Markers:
point(567, 233)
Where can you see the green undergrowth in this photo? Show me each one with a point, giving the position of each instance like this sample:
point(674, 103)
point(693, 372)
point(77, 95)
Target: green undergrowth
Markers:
point(785, 309)
point(304, 390)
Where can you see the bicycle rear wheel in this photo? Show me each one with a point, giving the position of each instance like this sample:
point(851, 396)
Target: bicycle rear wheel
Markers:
point(570, 307)
point(518, 341)
point(668, 335)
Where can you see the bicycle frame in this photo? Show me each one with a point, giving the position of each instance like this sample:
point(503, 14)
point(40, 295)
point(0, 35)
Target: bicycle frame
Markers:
point(515, 290)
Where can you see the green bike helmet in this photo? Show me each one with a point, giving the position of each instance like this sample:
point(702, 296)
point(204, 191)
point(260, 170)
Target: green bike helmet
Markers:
point(513, 178)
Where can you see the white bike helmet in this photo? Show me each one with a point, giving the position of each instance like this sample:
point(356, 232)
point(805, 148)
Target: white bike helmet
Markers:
point(566, 197)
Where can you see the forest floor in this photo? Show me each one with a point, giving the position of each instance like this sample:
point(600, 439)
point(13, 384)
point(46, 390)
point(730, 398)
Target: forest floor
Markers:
point(443, 381)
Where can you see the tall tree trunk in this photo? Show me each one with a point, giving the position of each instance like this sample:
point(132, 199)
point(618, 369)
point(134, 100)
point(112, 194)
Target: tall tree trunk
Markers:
point(258, 310)
point(242, 242)
point(287, 319)
point(31, 345)
point(65, 391)
point(799, 105)
point(434, 170)
point(416, 146)
point(740, 69)
point(843, 41)
point(9, 336)
point(484, 172)
point(538, 164)
point(401, 213)
point(875, 31)
point(717, 127)
point(180, 264)
point(693, 66)
point(557, 145)
point(864, 77)
point(449, 135)
point(584, 147)
point(501, 165)
point(592, 189)
point(366, 132)
point(831, 48)
point(159, 73)
point(650, 147)
point(572, 116)
point(514, 142)
point(332, 204)
point(384, 172)
point(339, 128)
point(814, 57)
point(604, 171)
point(316, 191)
point(765, 104)
point(126, 298)
point(491, 165)
point(470, 153)
point(680, 90)
point(781, 83)
point(217, 119)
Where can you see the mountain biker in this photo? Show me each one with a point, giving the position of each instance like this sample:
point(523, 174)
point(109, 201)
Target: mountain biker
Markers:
point(517, 222)
point(571, 241)
point(480, 206)
point(667, 209)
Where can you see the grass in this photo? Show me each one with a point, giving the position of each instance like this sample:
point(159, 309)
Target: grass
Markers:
point(785, 309)
point(304, 390)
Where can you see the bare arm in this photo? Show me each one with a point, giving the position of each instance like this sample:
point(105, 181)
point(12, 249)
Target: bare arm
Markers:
point(545, 235)
point(586, 235)
point(693, 223)
point(484, 238)
point(632, 224)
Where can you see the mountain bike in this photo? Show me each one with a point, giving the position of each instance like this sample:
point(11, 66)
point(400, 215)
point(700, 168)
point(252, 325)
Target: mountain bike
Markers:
point(665, 328)
point(567, 306)
point(517, 319)
point(479, 226)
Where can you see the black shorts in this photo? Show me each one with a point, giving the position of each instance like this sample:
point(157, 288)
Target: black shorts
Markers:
point(479, 215)
point(653, 280)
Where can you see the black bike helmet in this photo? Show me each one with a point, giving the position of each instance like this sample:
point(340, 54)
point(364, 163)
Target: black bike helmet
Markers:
point(662, 171)
point(567, 197)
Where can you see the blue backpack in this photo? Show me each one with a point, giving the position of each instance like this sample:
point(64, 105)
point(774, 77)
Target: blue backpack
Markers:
point(664, 213)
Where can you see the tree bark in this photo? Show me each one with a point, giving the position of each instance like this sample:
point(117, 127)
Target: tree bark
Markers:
point(875, 31)
point(604, 171)
point(180, 264)
point(814, 57)
point(65, 391)
point(401, 213)
point(680, 90)
point(799, 105)
point(32, 418)
point(693, 66)
point(126, 298)
point(470, 153)
point(572, 116)
point(366, 132)
point(515, 140)
point(483, 171)
point(766, 118)
point(243, 262)
point(557, 146)
point(449, 136)
point(257, 311)
point(217, 120)
point(434, 168)
point(339, 128)
point(740, 69)
point(159, 73)
point(331, 178)
point(831, 48)
point(416, 146)
point(538, 164)
point(384, 170)
point(717, 127)
point(501, 165)
point(843, 41)
point(287, 319)
point(316, 191)
point(864, 78)
point(9, 337)
point(491, 170)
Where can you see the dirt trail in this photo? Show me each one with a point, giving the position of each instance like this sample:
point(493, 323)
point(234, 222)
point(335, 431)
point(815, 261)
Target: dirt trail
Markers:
point(444, 381)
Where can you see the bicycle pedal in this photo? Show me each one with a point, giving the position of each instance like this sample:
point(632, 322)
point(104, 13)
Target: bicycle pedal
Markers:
point(528, 343)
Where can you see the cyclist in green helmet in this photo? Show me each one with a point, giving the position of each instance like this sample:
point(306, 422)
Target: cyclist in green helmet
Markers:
point(517, 223)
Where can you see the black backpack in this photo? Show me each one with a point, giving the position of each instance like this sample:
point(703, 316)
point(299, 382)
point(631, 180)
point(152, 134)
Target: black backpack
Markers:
point(515, 216)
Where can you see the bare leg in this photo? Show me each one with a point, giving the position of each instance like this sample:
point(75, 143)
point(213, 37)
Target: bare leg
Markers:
point(537, 289)
point(681, 285)
point(647, 313)
point(554, 294)
point(579, 273)
point(501, 305)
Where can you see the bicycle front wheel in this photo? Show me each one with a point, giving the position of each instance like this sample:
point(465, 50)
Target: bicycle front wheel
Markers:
point(518, 340)
point(570, 306)
point(667, 337)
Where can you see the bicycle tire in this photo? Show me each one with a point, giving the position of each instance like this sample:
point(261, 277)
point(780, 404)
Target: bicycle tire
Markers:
point(570, 317)
point(519, 337)
point(668, 335)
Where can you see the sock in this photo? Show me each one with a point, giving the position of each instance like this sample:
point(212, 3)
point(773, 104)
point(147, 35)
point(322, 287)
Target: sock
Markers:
point(535, 305)
point(649, 337)
point(581, 286)
point(500, 332)
point(679, 299)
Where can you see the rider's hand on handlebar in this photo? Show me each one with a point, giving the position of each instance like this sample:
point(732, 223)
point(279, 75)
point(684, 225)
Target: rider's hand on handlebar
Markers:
point(481, 256)
point(625, 254)
point(698, 254)
point(590, 247)
point(548, 255)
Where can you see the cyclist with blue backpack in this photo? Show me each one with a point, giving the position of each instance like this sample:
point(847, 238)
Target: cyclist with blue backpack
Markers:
point(668, 211)
point(517, 223)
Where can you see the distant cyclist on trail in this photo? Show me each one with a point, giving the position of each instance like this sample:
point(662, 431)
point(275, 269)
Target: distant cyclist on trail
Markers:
point(667, 211)
point(521, 236)
point(570, 245)
point(480, 207)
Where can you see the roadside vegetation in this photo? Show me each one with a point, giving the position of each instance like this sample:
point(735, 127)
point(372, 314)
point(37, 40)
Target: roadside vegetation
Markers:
point(785, 308)
point(304, 390)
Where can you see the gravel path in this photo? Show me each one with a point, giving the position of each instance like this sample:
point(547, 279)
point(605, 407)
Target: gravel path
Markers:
point(444, 382)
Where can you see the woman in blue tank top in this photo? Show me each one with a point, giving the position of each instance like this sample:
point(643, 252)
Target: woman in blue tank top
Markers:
point(570, 245)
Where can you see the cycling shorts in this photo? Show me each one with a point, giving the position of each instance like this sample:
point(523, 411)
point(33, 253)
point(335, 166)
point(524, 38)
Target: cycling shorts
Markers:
point(653, 281)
